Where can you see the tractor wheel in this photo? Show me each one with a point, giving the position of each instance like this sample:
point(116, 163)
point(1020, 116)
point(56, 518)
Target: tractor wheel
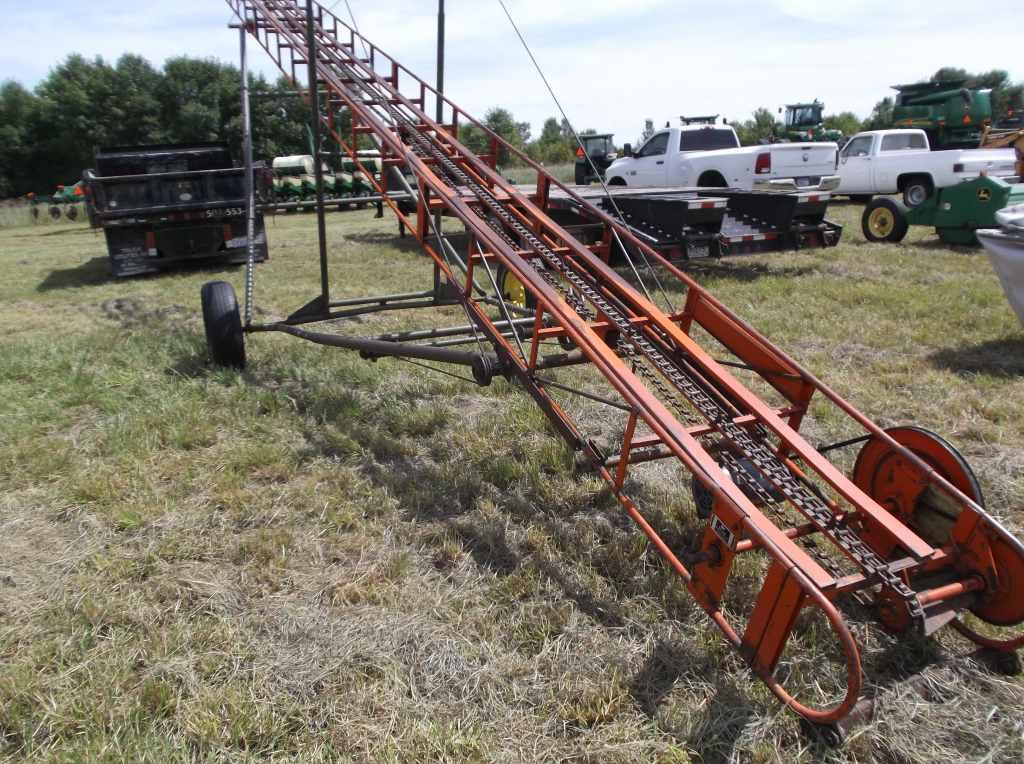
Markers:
point(224, 337)
point(884, 219)
point(916, 192)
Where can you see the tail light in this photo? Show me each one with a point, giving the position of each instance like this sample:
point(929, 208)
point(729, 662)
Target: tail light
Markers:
point(228, 233)
point(151, 242)
point(763, 165)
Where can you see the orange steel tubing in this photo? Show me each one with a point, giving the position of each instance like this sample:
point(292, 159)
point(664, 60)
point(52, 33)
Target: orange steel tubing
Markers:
point(759, 532)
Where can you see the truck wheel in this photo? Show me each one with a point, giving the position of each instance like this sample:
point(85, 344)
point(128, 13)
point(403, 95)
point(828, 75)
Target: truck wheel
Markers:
point(711, 180)
point(224, 337)
point(617, 181)
point(884, 219)
point(916, 192)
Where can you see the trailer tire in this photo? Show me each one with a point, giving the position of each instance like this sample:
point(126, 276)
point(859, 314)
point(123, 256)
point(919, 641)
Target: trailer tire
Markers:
point(884, 219)
point(224, 337)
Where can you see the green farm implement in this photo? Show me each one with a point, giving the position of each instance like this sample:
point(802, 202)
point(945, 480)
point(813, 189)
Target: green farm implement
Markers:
point(952, 114)
point(956, 212)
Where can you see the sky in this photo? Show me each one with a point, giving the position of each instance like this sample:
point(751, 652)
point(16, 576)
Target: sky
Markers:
point(612, 63)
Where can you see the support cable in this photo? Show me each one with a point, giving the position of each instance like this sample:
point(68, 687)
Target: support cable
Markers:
point(604, 186)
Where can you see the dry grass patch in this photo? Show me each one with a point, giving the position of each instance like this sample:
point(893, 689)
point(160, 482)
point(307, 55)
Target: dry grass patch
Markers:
point(324, 558)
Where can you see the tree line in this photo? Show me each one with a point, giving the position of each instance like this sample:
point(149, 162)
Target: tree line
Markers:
point(48, 135)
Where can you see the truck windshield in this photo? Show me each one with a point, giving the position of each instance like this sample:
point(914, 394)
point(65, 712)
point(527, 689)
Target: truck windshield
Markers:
point(707, 139)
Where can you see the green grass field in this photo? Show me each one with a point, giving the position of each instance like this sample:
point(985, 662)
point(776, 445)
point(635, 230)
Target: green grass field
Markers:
point(325, 558)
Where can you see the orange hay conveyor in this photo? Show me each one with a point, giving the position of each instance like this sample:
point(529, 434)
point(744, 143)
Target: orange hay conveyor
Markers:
point(905, 530)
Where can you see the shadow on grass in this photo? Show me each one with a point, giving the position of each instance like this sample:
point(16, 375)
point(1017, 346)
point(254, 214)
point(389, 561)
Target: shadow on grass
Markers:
point(933, 242)
point(735, 269)
point(66, 231)
point(93, 272)
point(405, 243)
point(726, 714)
point(1002, 357)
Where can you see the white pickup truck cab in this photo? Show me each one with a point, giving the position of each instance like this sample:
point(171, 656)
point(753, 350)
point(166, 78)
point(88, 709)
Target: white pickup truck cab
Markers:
point(711, 156)
point(900, 161)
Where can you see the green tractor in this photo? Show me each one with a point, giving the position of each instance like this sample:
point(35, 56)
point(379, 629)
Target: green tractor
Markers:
point(953, 115)
point(957, 212)
point(805, 122)
point(594, 157)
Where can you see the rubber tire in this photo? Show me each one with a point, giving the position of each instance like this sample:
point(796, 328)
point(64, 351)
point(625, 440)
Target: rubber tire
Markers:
point(617, 182)
point(224, 337)
point(703, 499)
point(711, 179)
point(916, 192)
point(899, 230)
point(861, 198)
point(499, 277)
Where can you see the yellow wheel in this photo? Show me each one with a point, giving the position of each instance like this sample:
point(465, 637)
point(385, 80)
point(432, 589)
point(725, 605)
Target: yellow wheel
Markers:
point(512, 289)
point(884, 219)
point(882, 222)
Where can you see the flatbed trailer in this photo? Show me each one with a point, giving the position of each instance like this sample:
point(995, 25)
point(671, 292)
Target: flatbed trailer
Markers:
point(689, 223)
point(904, 533)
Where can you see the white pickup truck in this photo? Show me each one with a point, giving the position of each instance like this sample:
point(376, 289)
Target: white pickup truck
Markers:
point(899, 161)
point(711, 156)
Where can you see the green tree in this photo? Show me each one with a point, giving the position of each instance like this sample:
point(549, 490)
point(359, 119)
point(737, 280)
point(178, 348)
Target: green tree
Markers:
point(504, 124)
point(881, 115)
point(845, 122)
point(18, 109)
point(756, 130)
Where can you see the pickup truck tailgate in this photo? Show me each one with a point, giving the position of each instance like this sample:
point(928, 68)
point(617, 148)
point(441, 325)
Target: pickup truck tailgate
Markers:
point(803, 160)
